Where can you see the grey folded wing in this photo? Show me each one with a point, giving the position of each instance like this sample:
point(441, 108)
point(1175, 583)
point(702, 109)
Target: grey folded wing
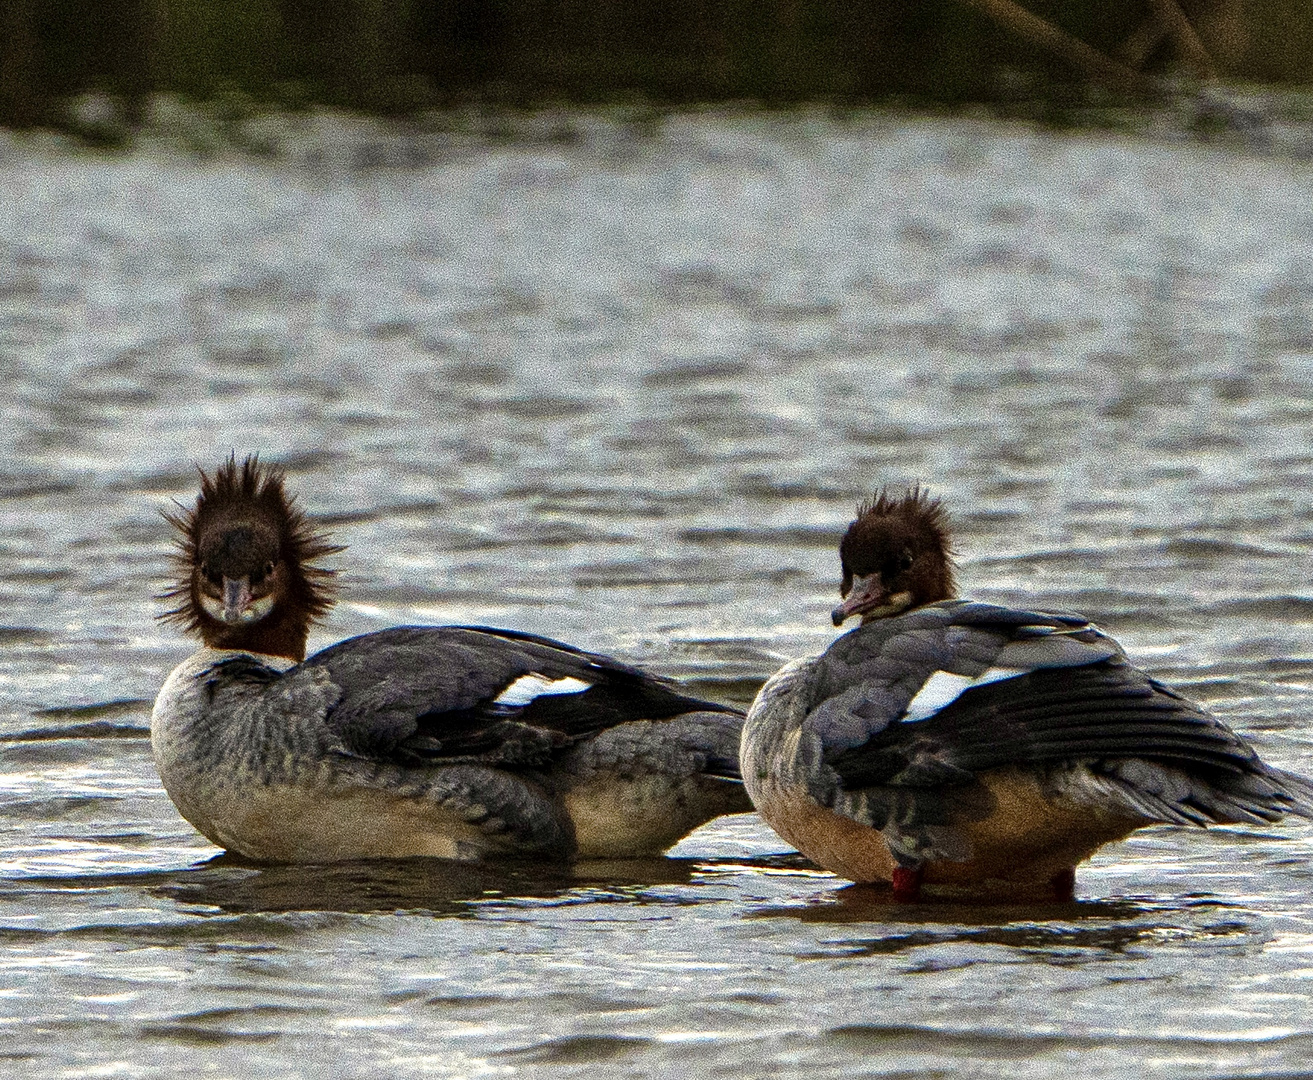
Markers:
point(448, 695)
point(907, 713)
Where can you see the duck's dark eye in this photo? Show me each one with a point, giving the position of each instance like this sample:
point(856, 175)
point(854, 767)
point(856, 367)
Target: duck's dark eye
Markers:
point(906, 559)
point(259, 575)
point(212, 576)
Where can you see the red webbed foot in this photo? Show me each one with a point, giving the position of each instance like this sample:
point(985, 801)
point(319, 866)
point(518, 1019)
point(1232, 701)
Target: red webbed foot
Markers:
point(907, 884)
point(1063, 884)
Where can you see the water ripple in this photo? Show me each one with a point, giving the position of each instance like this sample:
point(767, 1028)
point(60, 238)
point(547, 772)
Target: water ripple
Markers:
point(626, 390)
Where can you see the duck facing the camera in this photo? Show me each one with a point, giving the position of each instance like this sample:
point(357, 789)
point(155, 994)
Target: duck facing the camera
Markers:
point(456, 741)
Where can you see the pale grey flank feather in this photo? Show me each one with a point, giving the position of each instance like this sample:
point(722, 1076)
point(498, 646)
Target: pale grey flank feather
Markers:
point(507, 738)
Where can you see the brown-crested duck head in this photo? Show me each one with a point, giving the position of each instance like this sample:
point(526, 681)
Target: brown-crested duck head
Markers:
point(245, 574)
point(896, 556)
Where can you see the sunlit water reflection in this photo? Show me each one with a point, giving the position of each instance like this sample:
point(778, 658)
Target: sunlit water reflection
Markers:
point(626, 391)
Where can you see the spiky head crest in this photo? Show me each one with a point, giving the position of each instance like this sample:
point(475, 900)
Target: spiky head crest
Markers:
point(242, 519)
point(903, 535)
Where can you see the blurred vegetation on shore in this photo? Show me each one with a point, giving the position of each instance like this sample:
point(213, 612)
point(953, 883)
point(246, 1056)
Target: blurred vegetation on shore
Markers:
point(402, 56)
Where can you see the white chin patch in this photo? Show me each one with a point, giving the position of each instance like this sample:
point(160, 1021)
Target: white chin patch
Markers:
point(254, 611)
point(527, 687)
point(943, 688)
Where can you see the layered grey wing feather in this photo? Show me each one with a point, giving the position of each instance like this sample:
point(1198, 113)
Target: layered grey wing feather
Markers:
point(868, 678)
point(268, 728)
point(905, 714)
point(471, 719)
point(444, 695)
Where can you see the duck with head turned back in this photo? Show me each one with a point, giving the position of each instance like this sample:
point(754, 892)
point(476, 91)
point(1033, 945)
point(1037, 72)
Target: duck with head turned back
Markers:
point(457, 741)
point(976, 749)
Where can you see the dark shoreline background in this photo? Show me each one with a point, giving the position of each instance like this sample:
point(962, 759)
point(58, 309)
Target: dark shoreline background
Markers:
point(400, 56)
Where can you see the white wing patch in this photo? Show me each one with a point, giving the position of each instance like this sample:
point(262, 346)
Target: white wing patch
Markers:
point(943, 688)
point(527, 687)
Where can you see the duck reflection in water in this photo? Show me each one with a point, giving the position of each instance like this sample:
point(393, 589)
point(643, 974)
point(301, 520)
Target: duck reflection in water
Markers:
point(433, 886)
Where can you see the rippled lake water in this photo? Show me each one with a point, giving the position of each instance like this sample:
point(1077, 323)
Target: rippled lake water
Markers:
point(625, 389)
